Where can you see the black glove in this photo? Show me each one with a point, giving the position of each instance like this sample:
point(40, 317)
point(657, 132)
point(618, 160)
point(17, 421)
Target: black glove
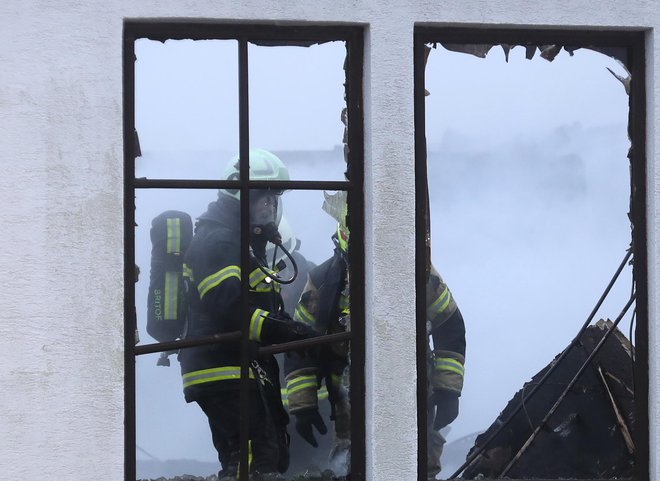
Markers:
point(304, 422)
point(280, 328)
point(446, 403)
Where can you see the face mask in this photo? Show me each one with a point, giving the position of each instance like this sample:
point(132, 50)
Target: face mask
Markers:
point(264, 209)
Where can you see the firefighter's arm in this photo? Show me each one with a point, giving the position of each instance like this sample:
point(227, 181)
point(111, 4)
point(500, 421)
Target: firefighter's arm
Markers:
point(448, 356)
point(274, 327)
point(219, 288)
point(302, 398)
point(308, 306)
point(217, 278)
point(302, 374)
point(301, 371)
point(448, 333)
point(446, 369)
point(298, 368)
point(301, 389)
point(280, 327)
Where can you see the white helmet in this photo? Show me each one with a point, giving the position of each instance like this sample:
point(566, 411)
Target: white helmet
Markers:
point(264, 165)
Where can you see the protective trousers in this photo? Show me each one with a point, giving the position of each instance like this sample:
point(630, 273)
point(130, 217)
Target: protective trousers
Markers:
point(434, 444)
point(268, 439)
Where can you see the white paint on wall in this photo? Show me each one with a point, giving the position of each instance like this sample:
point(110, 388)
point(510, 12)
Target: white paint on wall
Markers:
point(61, 135)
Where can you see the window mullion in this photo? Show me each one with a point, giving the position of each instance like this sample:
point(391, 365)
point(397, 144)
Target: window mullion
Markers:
point(422, 259)
point(130, 318)
point(244, 166)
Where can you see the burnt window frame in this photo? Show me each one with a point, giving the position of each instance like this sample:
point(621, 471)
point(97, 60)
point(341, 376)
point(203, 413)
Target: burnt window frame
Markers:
point(244, 34)
point(634, 42)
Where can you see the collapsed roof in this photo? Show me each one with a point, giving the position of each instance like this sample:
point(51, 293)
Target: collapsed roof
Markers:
point(571, 428)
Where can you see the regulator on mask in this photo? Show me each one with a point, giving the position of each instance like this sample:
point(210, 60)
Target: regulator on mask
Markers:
point(265, 215)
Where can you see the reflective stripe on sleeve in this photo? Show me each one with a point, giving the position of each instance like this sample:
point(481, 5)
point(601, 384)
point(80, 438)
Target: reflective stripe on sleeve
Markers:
point(266, 287)
point(256, 277)
point(322, 394)
point(211, 375)
point(303, 315)
point(301, 382)
point(440, 303)
point(261, 282)
point(256, 324)
point(448, 364)
point(214, 279)
point(170, 307)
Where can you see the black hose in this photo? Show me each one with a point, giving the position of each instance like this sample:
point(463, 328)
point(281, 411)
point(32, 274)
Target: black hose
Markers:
point(272, 274)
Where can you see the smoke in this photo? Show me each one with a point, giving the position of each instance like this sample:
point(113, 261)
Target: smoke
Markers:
point(529, 192)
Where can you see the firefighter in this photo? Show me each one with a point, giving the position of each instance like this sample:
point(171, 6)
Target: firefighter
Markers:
point(324, 305)
point(446, 364)
point(211, 374)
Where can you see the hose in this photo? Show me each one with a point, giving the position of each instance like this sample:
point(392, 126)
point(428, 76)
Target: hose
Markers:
point(274, 275)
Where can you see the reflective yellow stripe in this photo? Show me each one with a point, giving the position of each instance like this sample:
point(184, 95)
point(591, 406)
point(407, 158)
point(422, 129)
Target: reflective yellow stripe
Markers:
point(238, 470)
point(256, 276)
point(187, 272)
point(261, 282)
point(303, 315)
point(171, 295)
point(343, 303)
point(214, 279)
point(449, 364)
point(256, 323)
point(301, 382)
point(440, 303)
point(173, 236)
point(266, 287)
point(322, 393)
point(211, 375)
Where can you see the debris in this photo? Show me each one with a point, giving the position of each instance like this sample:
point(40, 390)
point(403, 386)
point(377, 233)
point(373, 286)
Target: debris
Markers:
point(624, 80)
point(590, 433)
point(478, 50)
point(549, 52)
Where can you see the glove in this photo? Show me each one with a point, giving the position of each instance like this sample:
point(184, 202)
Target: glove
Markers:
point(446, 403)
point(280, 328)
point(305, 420)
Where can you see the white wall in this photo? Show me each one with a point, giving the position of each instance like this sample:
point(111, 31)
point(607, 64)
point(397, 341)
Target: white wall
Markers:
point(61, 413)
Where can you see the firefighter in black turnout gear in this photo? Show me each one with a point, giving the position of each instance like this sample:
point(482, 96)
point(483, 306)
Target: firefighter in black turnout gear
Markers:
point(211, 374)
point(324, 305)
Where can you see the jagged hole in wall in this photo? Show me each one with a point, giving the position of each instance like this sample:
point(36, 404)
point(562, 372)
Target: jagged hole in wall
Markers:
point(529, 194)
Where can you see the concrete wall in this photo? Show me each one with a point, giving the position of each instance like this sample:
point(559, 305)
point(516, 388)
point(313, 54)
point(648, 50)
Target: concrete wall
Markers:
point(61, 188)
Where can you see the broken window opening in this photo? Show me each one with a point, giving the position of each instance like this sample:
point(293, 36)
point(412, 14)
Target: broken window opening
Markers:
point(210, 104)
point(489, 202)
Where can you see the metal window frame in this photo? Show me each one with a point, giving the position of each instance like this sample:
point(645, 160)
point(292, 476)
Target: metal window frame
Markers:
point(634, 41)
point(264, 34)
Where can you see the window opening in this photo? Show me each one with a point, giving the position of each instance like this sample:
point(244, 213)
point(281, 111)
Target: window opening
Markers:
point(533, 151)
point(202, 102)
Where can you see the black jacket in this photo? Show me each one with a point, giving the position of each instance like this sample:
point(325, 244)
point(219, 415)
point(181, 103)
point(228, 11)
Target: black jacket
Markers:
point(324, 304)
point(213, 266)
